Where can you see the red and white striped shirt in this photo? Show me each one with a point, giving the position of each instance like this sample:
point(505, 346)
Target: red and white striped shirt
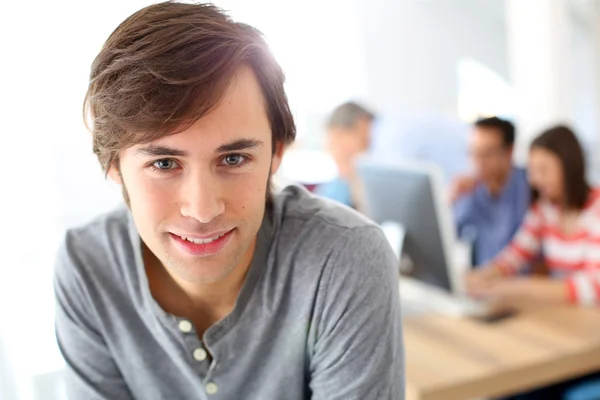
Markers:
point(574, 257)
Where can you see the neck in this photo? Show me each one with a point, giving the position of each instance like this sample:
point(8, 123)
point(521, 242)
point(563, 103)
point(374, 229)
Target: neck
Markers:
point(215, 295)
point(180, 297)
point(563, 206)
point(496, 185)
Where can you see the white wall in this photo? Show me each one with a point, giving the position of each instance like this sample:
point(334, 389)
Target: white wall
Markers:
point(413, 47)
point(585, 65)
point(555, 70)
point(539, 38)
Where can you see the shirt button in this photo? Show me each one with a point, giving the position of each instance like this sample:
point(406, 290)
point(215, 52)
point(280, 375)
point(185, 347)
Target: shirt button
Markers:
point(200, 354)
point(185, 326)
point(211, 388)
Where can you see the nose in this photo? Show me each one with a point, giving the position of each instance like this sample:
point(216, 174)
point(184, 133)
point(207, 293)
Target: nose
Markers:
point(202, 199)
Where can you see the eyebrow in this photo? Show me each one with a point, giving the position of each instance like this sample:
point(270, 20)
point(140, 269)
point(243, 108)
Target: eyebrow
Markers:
point(241, 144)
point(153, 150)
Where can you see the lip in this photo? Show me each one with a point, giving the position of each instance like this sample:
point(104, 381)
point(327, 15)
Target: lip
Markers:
point(203, 250)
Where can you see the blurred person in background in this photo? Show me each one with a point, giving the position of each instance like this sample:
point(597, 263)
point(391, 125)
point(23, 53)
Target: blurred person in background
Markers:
point(353, 130)
point(562, 227)
point(348, 136)
point(207, 283)
point(490, 203)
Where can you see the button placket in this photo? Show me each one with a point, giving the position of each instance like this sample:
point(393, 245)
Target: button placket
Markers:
point(200, 356)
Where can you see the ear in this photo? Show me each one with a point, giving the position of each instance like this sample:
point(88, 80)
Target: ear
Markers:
point(115, 175)
point(277, 157)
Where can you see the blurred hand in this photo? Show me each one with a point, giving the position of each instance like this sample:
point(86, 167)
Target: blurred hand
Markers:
point(517, 290)
point(482, 281)
point(461, 186)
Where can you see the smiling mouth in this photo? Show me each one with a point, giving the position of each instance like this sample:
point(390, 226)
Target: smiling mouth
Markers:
point(203, 241)
point(206, 246)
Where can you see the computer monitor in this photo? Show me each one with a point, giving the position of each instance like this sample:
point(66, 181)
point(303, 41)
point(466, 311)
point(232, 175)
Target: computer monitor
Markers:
point(411, 194)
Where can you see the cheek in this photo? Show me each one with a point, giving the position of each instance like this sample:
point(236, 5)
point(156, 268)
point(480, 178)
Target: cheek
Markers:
point(557, 182)
point(153, 198)
point(246, 192)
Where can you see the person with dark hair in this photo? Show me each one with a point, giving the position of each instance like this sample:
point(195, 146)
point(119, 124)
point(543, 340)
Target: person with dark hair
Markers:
point(490, 204)
point(562, 227)
point(206, 284)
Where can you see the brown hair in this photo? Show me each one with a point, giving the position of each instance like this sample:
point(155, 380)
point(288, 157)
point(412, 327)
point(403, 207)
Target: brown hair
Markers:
point(562, 142)
point(347, 115)
point(169, 64)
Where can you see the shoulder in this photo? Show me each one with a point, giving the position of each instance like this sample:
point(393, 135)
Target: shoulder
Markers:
point(88, 253)
point(321, 231)
point(594, 197)
point(308, 221)
point(544, 212)
point(296, 208)
point(593, 202)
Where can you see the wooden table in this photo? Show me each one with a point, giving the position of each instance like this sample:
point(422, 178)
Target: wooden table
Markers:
point(451, 359)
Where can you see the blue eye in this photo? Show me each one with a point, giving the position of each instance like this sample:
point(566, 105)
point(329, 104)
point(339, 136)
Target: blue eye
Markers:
point(164, 164)
point(234, 160)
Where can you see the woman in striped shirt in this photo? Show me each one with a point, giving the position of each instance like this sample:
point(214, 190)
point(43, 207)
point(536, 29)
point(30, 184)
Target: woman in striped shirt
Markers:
point(562, 229)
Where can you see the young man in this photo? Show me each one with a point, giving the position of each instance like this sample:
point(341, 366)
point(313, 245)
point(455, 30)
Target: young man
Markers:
point(490, 205)
point(207, 285)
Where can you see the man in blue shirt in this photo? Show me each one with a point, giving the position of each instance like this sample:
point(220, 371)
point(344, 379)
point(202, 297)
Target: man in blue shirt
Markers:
point(489, 206)
point(348, 136)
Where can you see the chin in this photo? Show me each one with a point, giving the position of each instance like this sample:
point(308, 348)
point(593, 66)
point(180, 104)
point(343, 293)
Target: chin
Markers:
point(201, 272)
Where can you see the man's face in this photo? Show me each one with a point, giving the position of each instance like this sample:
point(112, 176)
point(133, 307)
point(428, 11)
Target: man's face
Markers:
point(344, 143)
point(198, 197)
point(490, 157)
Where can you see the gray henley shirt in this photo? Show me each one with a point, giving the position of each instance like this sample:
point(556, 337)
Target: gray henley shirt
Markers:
point(318, 316)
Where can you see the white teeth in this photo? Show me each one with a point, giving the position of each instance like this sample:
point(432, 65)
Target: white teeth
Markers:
point(202, 241)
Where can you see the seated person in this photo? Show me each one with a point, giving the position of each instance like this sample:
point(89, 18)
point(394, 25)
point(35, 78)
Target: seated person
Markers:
point(563, 227)
point(353, 130)
point(563, 221)
point(348, 133)
point(489, 206)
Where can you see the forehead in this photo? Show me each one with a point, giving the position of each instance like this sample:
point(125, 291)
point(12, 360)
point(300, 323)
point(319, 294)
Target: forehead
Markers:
point(243, 103)
point(539, 155)
point(342, 132)
point(240, 114)
point(486, 137)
